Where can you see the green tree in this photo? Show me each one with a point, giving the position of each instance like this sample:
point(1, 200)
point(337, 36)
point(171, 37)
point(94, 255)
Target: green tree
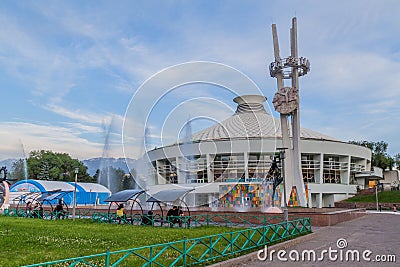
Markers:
point(18, 169)
point(44, 164)
point(380, 157)
point(128, 182)
point(397, 159)
point(44, 172)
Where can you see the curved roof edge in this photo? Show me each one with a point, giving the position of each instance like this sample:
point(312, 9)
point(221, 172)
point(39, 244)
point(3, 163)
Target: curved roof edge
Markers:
point(47, 186)
point(91, 187)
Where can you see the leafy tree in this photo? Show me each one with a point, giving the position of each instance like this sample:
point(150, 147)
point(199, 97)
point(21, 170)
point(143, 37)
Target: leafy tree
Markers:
point(128, 182)
point(397, 159)
point(18, 169)
point(46, 164)
point(380, 158)
point(44, 172)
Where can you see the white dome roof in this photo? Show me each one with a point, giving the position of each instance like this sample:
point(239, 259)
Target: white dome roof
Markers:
point(93, 187)
point(251, 121)
point(54, 185)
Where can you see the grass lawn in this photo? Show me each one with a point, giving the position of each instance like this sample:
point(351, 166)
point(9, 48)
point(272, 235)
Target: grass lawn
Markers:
point(27, 241)
point(384, 197)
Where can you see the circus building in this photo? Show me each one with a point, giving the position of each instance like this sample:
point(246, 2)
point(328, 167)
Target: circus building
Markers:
point(227, 164)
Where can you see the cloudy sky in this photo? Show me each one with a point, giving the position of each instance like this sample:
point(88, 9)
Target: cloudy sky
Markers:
point(69, 69)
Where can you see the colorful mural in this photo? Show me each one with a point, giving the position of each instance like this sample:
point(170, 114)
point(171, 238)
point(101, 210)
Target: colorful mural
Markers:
point(249, 195)
point(293, 197)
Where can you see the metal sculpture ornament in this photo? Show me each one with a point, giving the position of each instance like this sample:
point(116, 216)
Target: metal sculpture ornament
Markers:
point(3, 174)
point(284, 67)
point(286, 100)
point(4, 188)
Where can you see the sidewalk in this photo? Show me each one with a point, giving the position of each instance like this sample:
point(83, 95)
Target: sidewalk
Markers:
point(383, 212)
point(378, 232)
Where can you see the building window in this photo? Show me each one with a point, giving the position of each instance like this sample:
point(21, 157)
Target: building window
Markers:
point(172, 178)
point(357, 165)
point(228, 168)
point(166, 168)
point(258, 166)
point(332, 176)
point(308, 176)
point(309, 167)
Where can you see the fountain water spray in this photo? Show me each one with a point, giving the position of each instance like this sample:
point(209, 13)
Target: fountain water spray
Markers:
point(105, 177)
point(25, 162)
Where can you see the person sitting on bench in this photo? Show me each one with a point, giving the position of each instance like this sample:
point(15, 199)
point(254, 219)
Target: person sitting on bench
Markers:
point(172, 216)
point(120, 212)
point(148, 219)
point(59, 210)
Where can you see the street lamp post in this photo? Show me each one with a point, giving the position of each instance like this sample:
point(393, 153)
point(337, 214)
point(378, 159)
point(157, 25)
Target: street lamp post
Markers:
point(76, 180)
point(376, 194)
point(282, 160)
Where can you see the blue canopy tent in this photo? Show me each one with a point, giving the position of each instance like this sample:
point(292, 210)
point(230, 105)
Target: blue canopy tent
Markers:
point(86, 193)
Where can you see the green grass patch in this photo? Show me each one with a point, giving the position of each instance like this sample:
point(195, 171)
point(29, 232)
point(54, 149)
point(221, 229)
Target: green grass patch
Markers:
point(27, 241)
point(384, 197)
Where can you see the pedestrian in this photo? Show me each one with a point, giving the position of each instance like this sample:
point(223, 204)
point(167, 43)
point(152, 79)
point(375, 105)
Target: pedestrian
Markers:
point(40, 212)
point(120, 212)
point(59, 210)
point(172, 215)
point(28, 209)
point(35, 211)
point(180, 214)
point(169, 217)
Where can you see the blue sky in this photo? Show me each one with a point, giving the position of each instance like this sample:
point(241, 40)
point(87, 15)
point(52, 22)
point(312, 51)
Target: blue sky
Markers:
point(68, 69)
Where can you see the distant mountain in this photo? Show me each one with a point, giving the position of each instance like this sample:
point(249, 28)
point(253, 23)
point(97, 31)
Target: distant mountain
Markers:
point(8, 163)
point(99, 163)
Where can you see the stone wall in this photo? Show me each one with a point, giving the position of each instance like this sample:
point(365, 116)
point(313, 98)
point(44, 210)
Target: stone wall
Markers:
point(365, 205)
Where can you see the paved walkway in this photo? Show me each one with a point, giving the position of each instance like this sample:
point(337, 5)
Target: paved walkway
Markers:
point(377, 232)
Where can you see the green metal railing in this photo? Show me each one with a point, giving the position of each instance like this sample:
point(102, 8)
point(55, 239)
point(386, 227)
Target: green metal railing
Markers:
point(212, 218)
point(45, 214)
point(233, 219)
point(193, 251)
point(221, 219)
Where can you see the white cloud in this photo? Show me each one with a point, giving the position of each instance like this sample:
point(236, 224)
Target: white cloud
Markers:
point(48, 137)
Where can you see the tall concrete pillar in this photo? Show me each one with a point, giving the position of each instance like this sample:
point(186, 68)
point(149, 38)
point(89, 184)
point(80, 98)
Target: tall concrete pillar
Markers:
point(286, 102)
point(298, 175)
point(210, 173)
point(289, 174)
point(346, 174)
point(319, 200)
point(321, 169)
point(179, 172)
point(246, 165)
